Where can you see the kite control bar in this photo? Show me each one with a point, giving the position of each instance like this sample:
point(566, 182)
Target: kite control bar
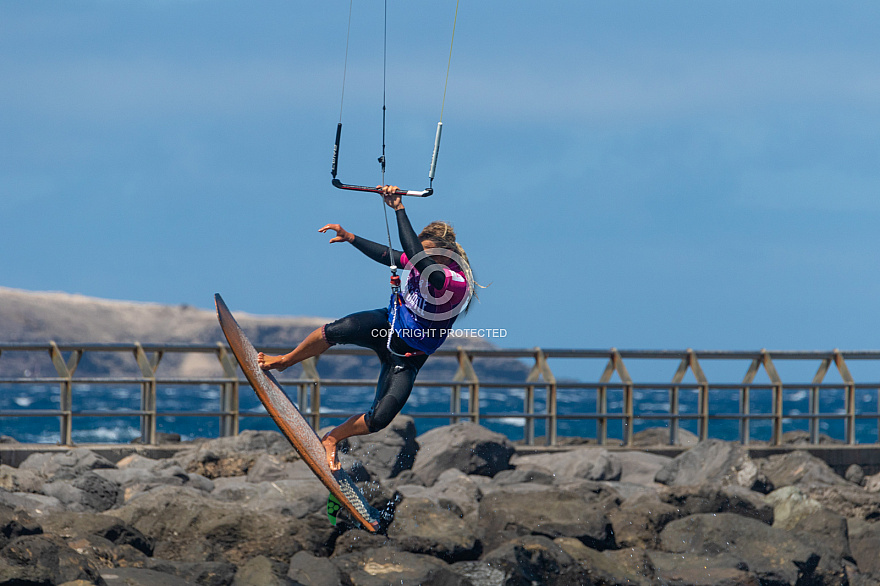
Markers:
point(340, 185)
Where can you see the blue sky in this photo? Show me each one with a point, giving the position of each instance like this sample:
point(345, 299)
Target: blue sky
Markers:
point(629, 174)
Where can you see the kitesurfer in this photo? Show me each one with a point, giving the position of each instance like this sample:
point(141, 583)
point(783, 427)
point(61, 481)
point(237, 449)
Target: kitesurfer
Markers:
point(403, 335)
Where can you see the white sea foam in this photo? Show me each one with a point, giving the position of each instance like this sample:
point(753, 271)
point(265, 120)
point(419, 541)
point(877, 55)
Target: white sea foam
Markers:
point(106, 434)
point(124, 393)
point(797, 396)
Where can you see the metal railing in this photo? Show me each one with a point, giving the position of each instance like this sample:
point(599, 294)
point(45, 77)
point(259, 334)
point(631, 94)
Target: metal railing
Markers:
point(535, 379)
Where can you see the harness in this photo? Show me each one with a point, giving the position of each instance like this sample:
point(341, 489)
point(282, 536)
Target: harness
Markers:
point(394, 307)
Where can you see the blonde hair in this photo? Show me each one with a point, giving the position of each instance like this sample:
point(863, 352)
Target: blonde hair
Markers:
point(442, 235)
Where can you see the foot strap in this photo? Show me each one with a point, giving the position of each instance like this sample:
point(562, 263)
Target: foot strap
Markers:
point(333, 507)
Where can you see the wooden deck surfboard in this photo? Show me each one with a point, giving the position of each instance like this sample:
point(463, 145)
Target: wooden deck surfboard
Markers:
point(291, 422)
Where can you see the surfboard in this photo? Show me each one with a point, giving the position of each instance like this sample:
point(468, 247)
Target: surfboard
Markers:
point(291, 422)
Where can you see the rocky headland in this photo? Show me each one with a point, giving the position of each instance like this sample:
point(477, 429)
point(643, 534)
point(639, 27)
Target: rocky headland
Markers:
point(469, 509)
point(41, 317)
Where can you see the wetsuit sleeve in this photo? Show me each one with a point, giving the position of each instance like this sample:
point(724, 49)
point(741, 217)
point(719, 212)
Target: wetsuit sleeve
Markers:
point(412, 246)
point(376, 251)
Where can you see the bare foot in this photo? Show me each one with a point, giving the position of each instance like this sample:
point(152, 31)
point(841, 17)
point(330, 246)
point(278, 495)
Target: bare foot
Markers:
point(268, 362)
point(330, 448)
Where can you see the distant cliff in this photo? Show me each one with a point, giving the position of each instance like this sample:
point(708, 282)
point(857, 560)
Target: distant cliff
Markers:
point(38, 317)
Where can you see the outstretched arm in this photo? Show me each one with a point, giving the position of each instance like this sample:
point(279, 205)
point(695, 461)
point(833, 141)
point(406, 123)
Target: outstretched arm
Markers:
point(377, 252)
point(374, 250)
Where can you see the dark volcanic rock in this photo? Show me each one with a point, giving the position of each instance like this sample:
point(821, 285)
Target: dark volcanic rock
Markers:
point(421, 526)
point(553, 512)
point(67, 465)
point(44, 559)
point(98, 494)
point(468, 447)
point(639, 520)
point(806, 518)
point(525, 474)
point(855, 474)
point(19, 480)
point(136, 475)
point(798, 467)
point(33, 504)
point(87, 492)
point(696, 569)
point(271, 467)
point(104, 553)
point(141, 577)
point(201, 573)
point(799, 437)
point(534, 559)
point(716, 498)
point(710, 461)
point(314, 571)
point(640, 467)
point(775, 556)
point(187, 526)
point(261, 571)
point(624, 566)
point(557, 518)
point(586, 463)
point(484, 574)
point(384, 566)
point(233, 456)
point(360, 540)
point(388, 452)
point(454, 491)
point(15, 524)
point(459, 492)
point(790, 506)
point(864, 542)
point(850, 501)
point(296, 498)
point(114, 530)
point(659, 436)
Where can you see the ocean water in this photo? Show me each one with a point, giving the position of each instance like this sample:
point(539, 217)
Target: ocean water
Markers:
point(198, 402)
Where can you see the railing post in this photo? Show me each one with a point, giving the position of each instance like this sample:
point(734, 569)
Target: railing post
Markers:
point(310, 370)
point(541, 370)
point(529, 409)
point(745, 430)
point(466, 373)
point(65, 370)
point(602, 401)
point(674, 399)
point(628, 410)
point(148, 366)
point(778, 406)
point(703, 405)
point(850, 400)
point(455, 402)
point(814, 400)
point(229, 421)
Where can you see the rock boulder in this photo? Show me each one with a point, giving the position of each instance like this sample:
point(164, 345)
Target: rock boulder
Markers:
point(465, 446)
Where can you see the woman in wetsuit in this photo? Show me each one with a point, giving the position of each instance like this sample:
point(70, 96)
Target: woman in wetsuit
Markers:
point(403, 335)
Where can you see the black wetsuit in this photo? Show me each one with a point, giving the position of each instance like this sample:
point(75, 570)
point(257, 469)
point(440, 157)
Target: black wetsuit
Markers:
point(368, 329)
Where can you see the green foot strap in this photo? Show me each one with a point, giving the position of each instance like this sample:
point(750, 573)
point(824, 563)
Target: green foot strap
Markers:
point(333, 506)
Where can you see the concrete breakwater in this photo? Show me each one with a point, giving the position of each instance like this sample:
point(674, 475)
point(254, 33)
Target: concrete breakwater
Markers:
point(468, 509)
